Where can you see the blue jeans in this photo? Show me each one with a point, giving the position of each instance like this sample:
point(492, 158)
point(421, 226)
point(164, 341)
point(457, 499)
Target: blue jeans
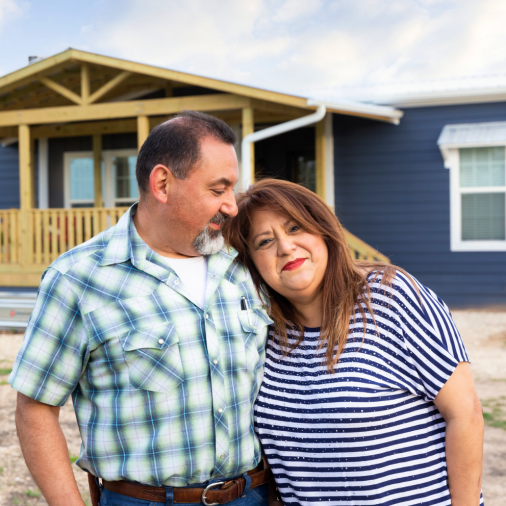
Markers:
point(258, 496)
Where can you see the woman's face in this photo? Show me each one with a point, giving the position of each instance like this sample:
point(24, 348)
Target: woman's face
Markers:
point(289, 259)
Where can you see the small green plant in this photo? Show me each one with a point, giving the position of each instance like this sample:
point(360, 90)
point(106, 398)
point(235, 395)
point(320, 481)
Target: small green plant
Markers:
point(5, 370)
point(32, 493)
point(494, 412)
point(3, 382)
point(1, 470)
point(73, 458)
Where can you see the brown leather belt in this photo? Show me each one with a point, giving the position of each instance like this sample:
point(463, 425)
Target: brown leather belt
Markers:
point(209, 496)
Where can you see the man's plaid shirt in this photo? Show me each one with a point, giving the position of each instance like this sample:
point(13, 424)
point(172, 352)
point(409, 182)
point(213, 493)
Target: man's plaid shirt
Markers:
point(163, 389)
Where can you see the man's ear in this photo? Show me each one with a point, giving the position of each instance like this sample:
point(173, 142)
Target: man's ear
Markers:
point(161, 181)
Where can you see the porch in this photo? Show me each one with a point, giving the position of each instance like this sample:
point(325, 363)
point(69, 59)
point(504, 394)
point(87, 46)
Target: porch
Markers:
point(96, 185)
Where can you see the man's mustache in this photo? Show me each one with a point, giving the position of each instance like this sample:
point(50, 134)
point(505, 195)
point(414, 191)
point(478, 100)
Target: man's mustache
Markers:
point(219, 219)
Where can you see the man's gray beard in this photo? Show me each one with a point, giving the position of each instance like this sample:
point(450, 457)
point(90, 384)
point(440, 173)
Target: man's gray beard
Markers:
point(208, 241)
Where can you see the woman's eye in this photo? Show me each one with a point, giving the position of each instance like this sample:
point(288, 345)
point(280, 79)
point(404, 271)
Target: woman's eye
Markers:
point(263, 242)
point(294, 228)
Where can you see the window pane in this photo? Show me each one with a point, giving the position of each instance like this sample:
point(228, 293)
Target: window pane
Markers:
point(483, 216)
point(81, 179)
point(125, 182)
point(482, 167)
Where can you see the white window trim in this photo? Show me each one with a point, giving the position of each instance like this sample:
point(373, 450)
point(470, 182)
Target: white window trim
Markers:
point(108, 189)
point(67, 156)
point(452, 162)
point(108, 181)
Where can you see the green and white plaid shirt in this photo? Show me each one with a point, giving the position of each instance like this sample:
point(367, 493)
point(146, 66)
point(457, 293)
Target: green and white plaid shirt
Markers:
point(163, 389)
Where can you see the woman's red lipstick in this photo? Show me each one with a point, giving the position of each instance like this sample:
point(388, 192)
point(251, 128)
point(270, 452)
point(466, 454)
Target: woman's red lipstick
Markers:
point(294, 264)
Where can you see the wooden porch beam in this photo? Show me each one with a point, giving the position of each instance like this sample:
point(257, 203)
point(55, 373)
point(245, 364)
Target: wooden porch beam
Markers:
point(273, 107)
point(65, 92)
point(159, 106)
point(107, 87)
point(142, 130)
point(25, 167)
point(248, 127)
point(85, 83)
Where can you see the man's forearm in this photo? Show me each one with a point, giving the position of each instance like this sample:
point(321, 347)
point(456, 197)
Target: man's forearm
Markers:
point(464, 458)
point(46, 453)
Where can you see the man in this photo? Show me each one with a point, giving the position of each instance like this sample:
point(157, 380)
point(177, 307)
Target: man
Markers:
point(159, 336)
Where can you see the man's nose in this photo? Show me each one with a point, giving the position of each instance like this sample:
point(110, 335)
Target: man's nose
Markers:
point(229, 207)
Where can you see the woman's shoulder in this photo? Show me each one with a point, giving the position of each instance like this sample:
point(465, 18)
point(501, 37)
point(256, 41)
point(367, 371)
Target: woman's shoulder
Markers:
point(402, 289)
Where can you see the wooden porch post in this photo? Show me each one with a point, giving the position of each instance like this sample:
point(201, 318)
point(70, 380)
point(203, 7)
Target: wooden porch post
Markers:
point(97, 170)
point(320, 153)
point(142, 130)
point(248, 127)
point(25, 250)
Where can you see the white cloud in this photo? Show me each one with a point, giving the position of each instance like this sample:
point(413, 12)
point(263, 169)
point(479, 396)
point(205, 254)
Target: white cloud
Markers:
point(295, 9)
point(309, 44)
point(10, 9)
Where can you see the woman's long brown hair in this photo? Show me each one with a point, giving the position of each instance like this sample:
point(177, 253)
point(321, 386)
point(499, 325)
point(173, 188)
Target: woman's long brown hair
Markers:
point(345, 286)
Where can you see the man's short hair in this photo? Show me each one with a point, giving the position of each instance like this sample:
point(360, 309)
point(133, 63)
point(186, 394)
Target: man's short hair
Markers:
point(176, 144)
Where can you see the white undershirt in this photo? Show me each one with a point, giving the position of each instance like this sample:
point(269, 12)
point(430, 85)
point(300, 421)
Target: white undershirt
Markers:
point(193, 273)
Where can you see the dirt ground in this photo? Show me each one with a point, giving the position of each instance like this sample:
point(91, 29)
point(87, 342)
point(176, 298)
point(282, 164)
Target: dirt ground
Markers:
point(484, 333)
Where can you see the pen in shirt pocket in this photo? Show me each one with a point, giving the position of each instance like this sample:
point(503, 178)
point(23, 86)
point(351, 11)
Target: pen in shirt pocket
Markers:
point(245, 307)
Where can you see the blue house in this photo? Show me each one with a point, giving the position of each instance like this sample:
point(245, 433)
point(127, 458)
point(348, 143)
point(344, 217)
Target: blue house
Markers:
point(430, 192)
point(420, 180)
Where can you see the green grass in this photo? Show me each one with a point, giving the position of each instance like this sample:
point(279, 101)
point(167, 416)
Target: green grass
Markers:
point(73, 458)
point(1, 470)
point(5, 370)
point(494, 412)
point(32, 493)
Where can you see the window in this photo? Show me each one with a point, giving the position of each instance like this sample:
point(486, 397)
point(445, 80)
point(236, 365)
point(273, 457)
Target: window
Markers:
point(477, 186)
point(482, 192)
point(79, 180)
point(119, 184)
point(125, 183)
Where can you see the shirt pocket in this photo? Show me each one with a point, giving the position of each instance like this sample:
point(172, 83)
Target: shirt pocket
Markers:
point(254, 323)
point(153, 359)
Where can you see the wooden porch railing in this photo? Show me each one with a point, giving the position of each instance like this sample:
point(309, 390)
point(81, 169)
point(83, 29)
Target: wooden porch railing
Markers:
point(39, 236)
point(30, 240)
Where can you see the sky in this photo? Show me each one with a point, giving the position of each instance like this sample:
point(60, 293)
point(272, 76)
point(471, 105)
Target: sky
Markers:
point(345, 47)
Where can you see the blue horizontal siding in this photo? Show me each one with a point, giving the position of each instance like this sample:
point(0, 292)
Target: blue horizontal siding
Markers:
point(392, 191)
point(9, 177)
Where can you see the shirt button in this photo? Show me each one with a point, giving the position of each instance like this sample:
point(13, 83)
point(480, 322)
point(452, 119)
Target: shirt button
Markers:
point(207, 316)
point(176, 281)
point(160, 341)
point(215, 361)
point(255, 327)
point(220, 410)
point(222, 456)
point(213, 276)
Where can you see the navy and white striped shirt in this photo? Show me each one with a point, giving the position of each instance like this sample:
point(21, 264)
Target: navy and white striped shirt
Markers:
point(368, 434)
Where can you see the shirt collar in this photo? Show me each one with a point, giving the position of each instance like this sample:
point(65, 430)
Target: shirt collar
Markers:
point(126, 244)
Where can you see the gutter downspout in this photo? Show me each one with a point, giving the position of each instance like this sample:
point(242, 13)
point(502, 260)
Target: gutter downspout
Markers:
point(271, 132)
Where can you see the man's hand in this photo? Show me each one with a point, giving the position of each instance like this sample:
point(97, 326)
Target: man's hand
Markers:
point(458, 402)
point(45, 451)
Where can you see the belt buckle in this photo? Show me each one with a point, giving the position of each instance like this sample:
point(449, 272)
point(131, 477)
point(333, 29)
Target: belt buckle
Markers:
point(203, 498)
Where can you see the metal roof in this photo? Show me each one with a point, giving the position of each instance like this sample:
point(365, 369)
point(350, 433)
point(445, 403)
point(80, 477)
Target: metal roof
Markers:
point(473, 135)
point(470, 135)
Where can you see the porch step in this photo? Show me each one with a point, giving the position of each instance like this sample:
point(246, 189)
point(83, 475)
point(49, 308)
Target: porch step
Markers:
point(16, 308)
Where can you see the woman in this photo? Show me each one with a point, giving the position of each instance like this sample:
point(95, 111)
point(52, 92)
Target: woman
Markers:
point(366, 377)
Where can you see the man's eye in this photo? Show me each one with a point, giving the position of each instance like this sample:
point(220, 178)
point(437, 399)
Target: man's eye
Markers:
point(219, 192)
